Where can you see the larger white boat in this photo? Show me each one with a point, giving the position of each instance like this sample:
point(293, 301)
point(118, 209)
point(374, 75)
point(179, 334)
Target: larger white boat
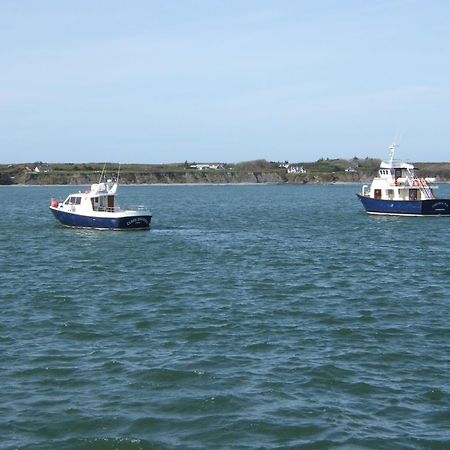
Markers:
point(397, 190)
point(98, 208)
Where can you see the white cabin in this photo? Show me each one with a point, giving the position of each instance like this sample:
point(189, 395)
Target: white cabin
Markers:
point(398, 181)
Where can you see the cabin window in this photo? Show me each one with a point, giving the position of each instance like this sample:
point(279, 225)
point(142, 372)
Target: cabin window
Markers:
point(377, 194)
point(413, 194)
point(73, 201)
point(390, 194)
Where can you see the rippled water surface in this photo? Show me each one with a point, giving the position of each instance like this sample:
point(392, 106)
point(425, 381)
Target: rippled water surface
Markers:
point(247, 317)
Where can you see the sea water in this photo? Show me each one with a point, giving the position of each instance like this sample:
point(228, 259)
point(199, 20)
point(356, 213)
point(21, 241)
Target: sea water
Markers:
point(248, 317)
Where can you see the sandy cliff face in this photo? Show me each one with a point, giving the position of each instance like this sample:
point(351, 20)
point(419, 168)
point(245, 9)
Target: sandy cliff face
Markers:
point(150, 178)
point(21, 175)
point(203, 177)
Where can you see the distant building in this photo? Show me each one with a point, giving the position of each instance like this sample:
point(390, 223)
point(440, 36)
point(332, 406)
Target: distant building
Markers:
point(206, 166)
point(292, 168)
point(40, 167)
point(296, 169)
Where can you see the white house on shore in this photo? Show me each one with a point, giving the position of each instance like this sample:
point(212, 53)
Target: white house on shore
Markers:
point(296, 169)
point(206, 166)
point(292, 168)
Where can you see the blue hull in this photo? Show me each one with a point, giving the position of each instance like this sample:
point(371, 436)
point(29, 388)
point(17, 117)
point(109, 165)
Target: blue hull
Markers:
point(123, 223)
point(436, 207)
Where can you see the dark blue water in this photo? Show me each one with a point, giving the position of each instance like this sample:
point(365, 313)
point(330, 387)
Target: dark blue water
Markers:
point(248, 317)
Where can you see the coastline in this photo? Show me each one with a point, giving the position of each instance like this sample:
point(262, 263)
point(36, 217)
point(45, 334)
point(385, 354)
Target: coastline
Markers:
point(336, 171)
point(338, 183)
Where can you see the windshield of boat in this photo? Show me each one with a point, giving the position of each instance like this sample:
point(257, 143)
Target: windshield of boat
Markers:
point(73, 200)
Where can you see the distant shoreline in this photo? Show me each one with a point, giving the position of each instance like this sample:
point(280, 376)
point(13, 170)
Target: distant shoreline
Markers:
point(75, 186)
point(323, 171)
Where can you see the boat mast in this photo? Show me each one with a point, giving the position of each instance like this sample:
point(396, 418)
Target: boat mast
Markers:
point(101, 175)
point(392, 152)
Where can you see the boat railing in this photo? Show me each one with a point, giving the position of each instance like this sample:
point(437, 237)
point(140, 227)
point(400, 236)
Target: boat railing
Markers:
point(140, 208)
point(108, 209)
point(365, 191)
point(395, 161)
point(112, 209)
point(421, 184)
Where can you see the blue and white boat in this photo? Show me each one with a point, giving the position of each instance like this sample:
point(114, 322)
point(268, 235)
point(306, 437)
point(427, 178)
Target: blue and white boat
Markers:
point(98, 208)
point(397, 190)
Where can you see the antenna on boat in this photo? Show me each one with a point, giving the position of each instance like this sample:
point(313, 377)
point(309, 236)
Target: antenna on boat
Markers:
point(101, 175)
point(392, 152)
point(118, 174)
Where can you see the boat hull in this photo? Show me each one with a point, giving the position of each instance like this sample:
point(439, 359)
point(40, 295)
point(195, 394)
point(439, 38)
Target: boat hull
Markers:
point(435, 207)
point(123, 222)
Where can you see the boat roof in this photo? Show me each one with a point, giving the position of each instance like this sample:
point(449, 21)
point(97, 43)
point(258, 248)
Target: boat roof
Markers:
point(98, 189)
point(395, 163)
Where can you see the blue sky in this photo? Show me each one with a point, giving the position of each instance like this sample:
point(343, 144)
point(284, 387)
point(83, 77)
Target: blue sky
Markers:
point(167, 81)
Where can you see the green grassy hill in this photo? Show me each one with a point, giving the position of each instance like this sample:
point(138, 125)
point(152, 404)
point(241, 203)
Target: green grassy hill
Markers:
point(259, 171)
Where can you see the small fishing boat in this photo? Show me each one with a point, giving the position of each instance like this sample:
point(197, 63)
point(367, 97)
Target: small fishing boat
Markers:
point(98, 208)
point(397, 190)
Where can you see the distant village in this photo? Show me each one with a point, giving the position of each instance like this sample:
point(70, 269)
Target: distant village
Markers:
point(39, 167)
point(290, 168)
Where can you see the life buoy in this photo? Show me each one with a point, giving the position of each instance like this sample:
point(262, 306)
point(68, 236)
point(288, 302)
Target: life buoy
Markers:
point(415, 183)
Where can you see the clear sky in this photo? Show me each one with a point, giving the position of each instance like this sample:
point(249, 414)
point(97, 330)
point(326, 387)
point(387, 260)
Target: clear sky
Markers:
point(153, 81)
